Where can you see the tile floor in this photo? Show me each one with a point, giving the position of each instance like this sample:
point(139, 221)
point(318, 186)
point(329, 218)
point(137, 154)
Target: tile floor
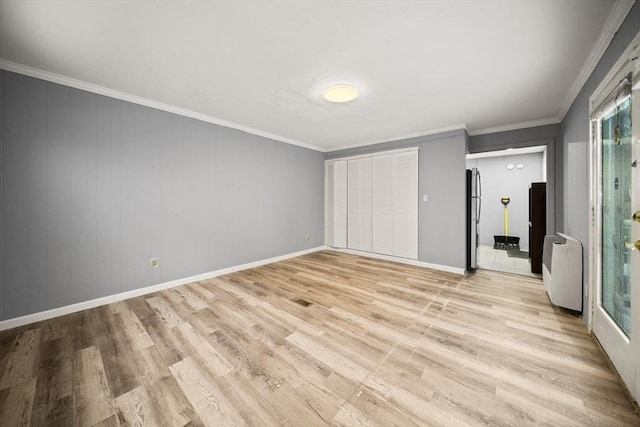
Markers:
point(498, 260)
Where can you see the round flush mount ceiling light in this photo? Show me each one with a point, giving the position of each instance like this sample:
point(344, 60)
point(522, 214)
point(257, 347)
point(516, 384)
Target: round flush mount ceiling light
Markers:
point(340, 93)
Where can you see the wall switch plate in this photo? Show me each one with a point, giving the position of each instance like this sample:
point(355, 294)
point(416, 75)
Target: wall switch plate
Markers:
point(586, 289)
point(307, 237)
point(425, 198)
point(154, 262)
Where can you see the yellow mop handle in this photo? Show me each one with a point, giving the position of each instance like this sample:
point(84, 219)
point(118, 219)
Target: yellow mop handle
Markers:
point(506, 221)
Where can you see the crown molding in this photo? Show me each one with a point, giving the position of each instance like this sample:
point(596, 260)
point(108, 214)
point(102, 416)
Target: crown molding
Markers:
point(111, 93)
point(617, 15)
point(461, 126)
point(516, 126)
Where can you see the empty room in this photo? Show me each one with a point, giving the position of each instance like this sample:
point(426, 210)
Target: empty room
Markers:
point(320, 213)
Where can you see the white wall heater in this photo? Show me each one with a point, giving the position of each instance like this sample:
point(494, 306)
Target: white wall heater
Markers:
point(562, 270)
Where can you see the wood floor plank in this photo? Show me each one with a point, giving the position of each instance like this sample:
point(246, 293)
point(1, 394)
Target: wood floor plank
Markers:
point(329, 357)
point(170, 406)
point(92, 397)
point(190, 298)
point(55, 413)
point(133, 327)
point(23, 358)
point(165, 311)
point(250, 403)
point(209, 402)
point(204, 351)
point(135, 409)
point(323, 339)
point(54, 372)
point(349, 416)
point(16, 403)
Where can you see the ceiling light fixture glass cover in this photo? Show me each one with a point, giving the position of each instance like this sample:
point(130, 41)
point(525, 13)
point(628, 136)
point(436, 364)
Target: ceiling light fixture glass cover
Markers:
point(340, 93)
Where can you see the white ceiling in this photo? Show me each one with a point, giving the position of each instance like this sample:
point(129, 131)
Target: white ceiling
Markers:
point(420, 66)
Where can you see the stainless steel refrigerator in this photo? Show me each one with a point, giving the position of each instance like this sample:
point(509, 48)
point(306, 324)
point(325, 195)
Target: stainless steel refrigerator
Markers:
point(474, 206)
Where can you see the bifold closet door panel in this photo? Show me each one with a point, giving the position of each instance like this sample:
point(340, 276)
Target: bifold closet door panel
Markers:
point(365, 213)
point(353, 231)
point(405, 183)
point(366, 231)
point(359, 231)
point(405, 204)
point(353, 204)
point(359, 204)
point(336, 204)
point(340, 226)
point(340, 233)
point(383, 240)
point(405, 236)
point(329, 205)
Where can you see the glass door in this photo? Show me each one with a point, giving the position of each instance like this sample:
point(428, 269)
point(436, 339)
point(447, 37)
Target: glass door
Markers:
point(616, 315)
point(616, 215)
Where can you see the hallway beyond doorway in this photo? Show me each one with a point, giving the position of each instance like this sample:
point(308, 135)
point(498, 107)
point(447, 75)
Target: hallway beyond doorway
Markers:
point(499, 260)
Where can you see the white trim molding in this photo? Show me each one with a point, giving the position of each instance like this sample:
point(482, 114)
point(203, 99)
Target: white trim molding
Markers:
point(461, 126)
point(448, 269)
point(374, 154)
point(516, 126)
point(111, 93)
point(618, 13)
point(73, 308)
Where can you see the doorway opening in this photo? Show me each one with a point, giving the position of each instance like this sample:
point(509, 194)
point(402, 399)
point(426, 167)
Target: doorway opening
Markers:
point(507, 176)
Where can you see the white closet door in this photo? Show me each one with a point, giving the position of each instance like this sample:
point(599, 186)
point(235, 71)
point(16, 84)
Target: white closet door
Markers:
point(329, 203)
point(383, 239)
point(359, 204)
point(372, 204)
point(365, 204)
point(405, 204)
point(336, 204)
point(353, 206)
point(340, 204)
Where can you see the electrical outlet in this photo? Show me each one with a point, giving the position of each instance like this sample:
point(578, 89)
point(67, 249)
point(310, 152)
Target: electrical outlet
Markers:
point(154, 262)
point(307, 237)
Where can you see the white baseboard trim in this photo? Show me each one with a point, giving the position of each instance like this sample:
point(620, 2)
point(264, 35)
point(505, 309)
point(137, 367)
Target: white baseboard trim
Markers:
point(415, 262)
point(73, 308)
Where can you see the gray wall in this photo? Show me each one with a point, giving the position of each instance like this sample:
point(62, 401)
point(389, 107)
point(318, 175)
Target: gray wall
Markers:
point(95, 187)
point(551, 137)
point(575, 134)
point(441, 220)
point(497, 182)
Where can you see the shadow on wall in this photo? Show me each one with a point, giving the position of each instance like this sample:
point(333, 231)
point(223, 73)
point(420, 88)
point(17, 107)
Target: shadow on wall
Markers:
point(507, 176)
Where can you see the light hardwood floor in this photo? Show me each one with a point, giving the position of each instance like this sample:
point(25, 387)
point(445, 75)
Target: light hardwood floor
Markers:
point(379, 343)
